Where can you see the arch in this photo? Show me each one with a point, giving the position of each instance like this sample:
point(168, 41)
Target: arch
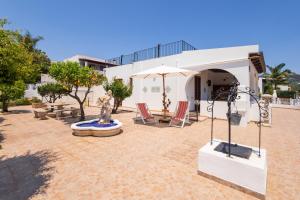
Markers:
point(210, 78)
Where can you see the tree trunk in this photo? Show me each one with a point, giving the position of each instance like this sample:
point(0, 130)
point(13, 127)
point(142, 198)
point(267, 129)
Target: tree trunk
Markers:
point(116, 106)
point(82, 115)
point(4, 106)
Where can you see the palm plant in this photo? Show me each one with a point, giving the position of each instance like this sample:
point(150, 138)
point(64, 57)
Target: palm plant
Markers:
point(277, 76)
point(40, 59)
point(30, 42)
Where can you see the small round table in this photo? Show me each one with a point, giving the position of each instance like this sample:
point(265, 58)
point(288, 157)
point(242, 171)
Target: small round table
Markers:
point(164, 120)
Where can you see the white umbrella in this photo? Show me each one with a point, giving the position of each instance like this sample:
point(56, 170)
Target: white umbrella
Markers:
point(163, 71)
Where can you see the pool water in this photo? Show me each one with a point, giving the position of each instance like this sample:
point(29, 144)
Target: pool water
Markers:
point(96, 124)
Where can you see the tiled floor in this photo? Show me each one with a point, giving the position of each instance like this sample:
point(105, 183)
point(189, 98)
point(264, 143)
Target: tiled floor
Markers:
point(43, 160)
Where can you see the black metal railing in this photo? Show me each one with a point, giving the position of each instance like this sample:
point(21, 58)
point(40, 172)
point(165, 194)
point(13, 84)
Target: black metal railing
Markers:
point(154, 52)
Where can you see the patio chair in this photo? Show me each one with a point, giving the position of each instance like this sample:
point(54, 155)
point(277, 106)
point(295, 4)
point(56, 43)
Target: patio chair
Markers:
point(181, 114)
point(144, 113)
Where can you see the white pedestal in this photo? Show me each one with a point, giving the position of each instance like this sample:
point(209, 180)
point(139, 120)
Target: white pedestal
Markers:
point(249, 175)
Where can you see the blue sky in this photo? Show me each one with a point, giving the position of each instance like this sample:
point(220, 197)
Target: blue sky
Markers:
point(107, 29)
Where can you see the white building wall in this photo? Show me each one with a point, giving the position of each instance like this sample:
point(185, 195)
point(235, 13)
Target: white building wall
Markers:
point(31, 91)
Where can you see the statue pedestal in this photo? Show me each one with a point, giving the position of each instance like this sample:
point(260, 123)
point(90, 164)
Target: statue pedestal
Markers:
point(247, 175)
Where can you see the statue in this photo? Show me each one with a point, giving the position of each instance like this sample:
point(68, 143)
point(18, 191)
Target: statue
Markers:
point(105, 112)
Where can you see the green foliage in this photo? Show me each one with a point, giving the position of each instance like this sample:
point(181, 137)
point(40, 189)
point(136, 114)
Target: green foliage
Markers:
point(72, 76)
point(286, 94)
point(20, 62)
point(14, 58)
point(36, 100)
point(268, 88)
point(40, 60)
point(52, 91)
point(11, 92)
point(120, 91)
point(22, 102)
point(277, 76)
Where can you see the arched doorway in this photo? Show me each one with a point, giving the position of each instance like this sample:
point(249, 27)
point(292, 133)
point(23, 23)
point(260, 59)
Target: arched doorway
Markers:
point(203, 87)
point(217, 79)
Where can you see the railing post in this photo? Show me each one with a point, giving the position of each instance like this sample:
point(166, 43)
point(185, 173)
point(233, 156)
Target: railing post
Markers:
point(158, 51)
point(135, 56)
point(121, 59)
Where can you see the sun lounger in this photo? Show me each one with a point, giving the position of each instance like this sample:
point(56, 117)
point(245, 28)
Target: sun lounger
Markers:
point(181, 114)
point(144, 113)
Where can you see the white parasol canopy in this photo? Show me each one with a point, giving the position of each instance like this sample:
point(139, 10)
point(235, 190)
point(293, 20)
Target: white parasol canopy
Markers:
point(164, 70)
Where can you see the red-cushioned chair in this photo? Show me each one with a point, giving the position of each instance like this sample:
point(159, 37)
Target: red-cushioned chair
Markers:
point(181, 114)
point(144, 113)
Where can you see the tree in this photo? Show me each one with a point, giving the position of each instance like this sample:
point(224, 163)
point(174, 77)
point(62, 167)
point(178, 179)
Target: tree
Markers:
point(72, 76)
point(277, 76)
point(15, 66)
point(120, 91)
point(11, 92)
point(52, 91)
point(40, 60)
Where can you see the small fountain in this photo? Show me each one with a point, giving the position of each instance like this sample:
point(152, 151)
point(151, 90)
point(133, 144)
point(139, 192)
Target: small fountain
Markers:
point(104, 126)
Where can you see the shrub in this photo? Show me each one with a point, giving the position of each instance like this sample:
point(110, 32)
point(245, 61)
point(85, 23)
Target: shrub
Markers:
point(52, 91)
point(22, 102)
point(36, 100)
point(120, 91)
point(10, 93)
point(286, 94)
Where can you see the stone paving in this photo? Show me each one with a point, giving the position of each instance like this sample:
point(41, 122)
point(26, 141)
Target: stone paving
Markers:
point(43, 160)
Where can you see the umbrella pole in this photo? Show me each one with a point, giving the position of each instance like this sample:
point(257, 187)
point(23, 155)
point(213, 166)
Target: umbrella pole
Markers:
point(164, 97)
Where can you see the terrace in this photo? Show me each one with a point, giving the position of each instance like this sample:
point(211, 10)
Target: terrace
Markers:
point(160, 50)
point(46, 161)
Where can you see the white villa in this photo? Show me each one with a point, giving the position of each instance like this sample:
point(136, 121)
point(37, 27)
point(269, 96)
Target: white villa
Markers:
point(217, 68)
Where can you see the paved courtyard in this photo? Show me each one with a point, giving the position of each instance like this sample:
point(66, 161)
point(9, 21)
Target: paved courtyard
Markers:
point(43, 160)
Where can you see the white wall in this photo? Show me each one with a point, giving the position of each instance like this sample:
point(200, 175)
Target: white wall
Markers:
point(283, 87)
point(31, 91)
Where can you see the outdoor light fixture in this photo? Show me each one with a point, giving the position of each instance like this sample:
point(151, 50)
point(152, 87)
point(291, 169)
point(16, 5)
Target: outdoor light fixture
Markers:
point(208, 83)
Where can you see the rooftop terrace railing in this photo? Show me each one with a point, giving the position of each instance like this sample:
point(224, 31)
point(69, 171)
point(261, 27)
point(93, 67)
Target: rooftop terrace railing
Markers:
point(154, 52)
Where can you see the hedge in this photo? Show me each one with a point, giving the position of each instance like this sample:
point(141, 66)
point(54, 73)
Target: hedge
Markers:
point(286, 94)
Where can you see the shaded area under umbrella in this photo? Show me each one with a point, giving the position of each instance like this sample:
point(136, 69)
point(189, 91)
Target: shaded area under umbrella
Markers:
point(164, 71)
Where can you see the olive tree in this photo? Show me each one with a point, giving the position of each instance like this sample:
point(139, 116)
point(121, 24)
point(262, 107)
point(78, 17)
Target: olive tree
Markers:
point(73, 76)
point(120, 91)
point(52, 91)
